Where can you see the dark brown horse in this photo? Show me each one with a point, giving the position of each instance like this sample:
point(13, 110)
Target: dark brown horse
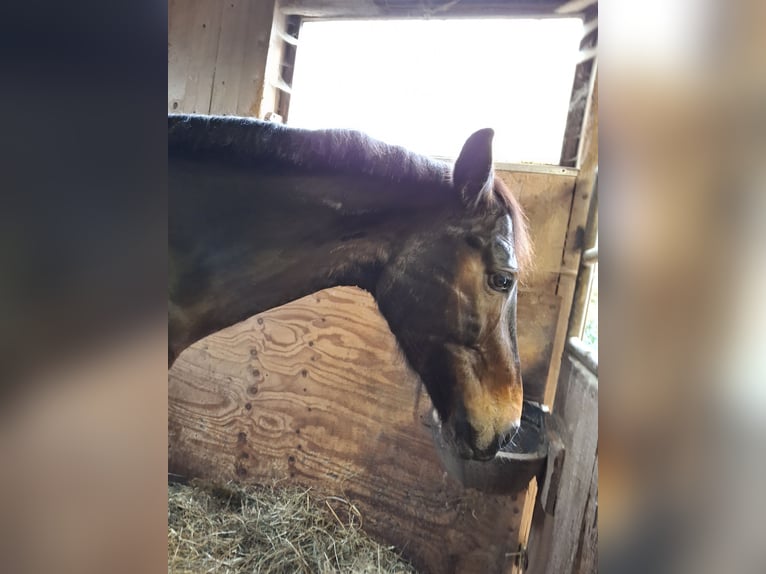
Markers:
point(261, 214)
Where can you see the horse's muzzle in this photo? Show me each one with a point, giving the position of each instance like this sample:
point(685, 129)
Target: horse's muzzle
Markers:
point(461, 437)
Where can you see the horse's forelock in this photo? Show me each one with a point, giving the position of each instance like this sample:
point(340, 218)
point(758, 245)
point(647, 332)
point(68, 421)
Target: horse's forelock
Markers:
point(522, 243)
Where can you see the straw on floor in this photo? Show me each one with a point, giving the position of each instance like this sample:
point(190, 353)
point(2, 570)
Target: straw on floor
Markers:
point(228, 529)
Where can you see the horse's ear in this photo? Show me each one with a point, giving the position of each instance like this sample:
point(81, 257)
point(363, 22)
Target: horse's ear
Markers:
point(473, 174)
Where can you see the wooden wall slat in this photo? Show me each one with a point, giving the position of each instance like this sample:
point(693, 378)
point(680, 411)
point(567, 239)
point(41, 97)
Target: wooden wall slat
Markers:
point(537, 318)
point(586, 561)
point(418, 8)
point(217, 55)
point(229, 65)
point(241, 63)
point(193, 35)
point(555, 541)
point(546, 199)
point(260, 24)
point(570, 262)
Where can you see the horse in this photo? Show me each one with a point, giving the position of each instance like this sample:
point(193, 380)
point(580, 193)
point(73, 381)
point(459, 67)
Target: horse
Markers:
point(262, 214)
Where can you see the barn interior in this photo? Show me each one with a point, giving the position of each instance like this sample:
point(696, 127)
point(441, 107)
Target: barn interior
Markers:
point(316, 394)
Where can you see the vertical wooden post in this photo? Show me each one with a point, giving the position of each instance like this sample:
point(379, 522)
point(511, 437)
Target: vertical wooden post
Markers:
point(570, 264)
point(541, 526)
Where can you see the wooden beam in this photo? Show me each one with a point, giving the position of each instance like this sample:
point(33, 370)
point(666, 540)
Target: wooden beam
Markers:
point(416, 8)
point(584, 186)
point(578, 100)
point(536, 168)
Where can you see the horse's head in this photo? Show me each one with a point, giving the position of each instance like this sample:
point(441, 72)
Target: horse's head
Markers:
point(449, 296)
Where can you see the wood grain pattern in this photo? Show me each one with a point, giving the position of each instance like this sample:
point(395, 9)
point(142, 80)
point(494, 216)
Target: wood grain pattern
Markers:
point(314, 393)
point(242, 53)
point(217, 55)
point(194, 28)
point(417, 8)
point(562, 543)
point(586, 561)
point(537, 317)
point(570, 265)
point(546, 199)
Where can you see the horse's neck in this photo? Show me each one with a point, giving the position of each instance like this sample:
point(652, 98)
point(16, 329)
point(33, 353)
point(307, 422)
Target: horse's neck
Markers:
point(242, 243)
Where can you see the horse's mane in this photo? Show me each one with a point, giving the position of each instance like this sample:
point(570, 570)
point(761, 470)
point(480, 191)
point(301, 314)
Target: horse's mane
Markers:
point(254, 142)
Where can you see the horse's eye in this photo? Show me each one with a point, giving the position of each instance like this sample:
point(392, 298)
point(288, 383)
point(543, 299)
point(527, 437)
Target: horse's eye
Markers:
point(500, 281)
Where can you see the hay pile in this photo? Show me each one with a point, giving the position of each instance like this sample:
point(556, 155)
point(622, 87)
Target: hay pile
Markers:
point(229, 529)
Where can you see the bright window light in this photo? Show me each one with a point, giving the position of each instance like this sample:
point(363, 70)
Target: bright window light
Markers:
point(429, 84)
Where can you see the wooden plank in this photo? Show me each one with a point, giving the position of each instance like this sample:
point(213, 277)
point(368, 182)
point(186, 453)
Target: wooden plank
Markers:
point(578, 408)
point(540, 540)
point(546, 199)
point(240, 67)
point(229, 65)
point(416, 8)
point(193, 34)
point(315, 393)
point(537, 319)
point(555, 540)
point(253, 74)
point(586, 561)
point(584, 187)
point(520, 566)
point(179, 21)
point(578, 101)
point(535, 168)
point(272, 72)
